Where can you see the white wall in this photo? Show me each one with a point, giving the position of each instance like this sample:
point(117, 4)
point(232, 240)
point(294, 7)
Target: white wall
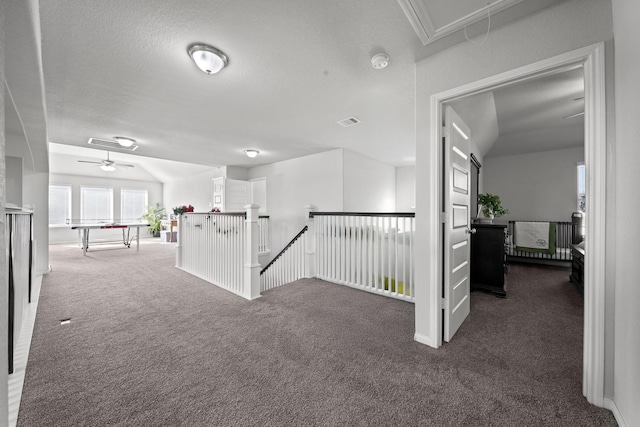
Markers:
point(292, 184)
point(406, 189)
point(369, 185)
point(235, 172)
point(626, 15)
point(559, 29)
point(535, 186)
point(63, 234)
point(4, 363)
point(35, 191)
point(13, 187)
point(194, 190)
point(336, 180)
point(35, 194)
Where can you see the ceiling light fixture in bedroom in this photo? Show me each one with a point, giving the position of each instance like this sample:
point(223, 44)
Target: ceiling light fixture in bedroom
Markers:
point(207, 58)
point(251, 153)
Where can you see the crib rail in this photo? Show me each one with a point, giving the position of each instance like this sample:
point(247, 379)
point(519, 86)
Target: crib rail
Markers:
point(287, 266)
point(367, 251)
point(564, 236)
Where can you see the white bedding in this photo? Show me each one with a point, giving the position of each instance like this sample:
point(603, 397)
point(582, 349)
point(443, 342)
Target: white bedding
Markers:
point(533, 235)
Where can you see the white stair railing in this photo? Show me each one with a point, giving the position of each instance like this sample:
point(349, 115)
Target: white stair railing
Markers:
point(19, 262)
point(367, 251)
point(221, 248)
point(264, 236)
point(287, 266)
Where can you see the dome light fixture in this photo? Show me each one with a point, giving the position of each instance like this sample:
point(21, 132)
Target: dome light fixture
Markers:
point(380, 61)
point(251, 153)
point(108, 167)
point(207, 58)
point(124, 141)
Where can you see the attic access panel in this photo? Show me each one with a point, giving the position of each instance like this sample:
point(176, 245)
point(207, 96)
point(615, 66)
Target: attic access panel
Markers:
point(435, 19)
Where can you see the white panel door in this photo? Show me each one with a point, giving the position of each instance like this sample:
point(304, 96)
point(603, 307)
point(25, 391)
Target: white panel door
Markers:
point(217, 193)
point(456, 228)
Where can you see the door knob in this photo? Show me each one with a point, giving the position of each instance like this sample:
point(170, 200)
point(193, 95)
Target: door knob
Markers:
point(470, 230)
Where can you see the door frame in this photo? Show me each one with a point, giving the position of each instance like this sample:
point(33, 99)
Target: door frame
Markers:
point(592, 59)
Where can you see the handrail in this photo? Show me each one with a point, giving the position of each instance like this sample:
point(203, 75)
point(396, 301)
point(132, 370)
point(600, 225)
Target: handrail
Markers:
point(225, 213)
point(217, 213)
point(285, 249)
point(381, 214)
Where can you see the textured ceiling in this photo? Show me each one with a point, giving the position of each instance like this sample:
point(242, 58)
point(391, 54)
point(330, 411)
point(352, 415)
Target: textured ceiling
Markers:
point(295, 69)
point(528, 116)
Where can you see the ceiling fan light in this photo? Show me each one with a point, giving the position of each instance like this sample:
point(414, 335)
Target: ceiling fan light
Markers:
point(108, 168)
point(251, 153)
point(207, 58)
point(124, 141)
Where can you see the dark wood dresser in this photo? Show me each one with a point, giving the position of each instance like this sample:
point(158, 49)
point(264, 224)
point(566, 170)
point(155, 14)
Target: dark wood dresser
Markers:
point(489, 259)
point(577, 267)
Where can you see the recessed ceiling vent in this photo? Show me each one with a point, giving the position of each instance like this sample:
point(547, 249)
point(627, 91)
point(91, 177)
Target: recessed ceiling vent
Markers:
point(348, 122)
point(111, 145)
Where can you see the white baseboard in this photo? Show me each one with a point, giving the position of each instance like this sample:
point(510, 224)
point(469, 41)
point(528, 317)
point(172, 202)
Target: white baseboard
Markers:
point(611, 405)
point(423, 339)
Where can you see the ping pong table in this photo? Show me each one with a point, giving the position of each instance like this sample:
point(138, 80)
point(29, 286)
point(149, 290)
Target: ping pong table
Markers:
point(83, 232)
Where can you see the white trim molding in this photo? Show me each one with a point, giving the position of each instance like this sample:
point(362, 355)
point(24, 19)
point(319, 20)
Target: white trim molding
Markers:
point(595, 174)
point(591, 58)
point(418, 14)
point(611, 405)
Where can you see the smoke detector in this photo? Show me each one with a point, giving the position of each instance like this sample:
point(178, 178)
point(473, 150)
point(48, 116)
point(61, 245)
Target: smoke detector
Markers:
point(380, 61)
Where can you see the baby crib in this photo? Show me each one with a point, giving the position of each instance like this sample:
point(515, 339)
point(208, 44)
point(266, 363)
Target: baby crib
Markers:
point(563, 241)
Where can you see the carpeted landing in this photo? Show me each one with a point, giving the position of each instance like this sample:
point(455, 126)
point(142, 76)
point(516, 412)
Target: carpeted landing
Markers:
point(150, 345)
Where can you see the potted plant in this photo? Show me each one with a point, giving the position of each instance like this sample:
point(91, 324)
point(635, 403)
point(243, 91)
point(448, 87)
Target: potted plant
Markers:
point(154, 216)
point(179, 210)
point(491, 207)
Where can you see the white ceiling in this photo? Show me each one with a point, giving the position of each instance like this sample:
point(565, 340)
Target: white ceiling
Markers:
point(295, 69)
point(64, 161)
point(527, 117)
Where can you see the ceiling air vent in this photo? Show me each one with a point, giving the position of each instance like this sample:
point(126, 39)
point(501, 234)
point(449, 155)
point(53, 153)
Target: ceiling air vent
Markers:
point(111, 145)
point(348, 121)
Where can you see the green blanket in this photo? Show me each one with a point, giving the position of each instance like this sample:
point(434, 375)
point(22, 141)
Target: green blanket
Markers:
point(552, 243)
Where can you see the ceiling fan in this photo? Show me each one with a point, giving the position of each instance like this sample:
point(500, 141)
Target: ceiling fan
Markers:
point(107, 165)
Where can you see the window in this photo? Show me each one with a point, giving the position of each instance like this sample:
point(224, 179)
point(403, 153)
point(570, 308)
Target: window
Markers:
point(582, 194)
point(132, 204)
point(59, 204)
point(96, 204)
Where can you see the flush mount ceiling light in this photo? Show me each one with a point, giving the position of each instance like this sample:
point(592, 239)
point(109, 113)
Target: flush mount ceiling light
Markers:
point(251, 153)
point(380, 61)
point(207, 58)
point(124, 141)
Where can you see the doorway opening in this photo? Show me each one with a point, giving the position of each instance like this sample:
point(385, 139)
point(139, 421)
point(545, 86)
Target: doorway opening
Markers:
point(591, 58)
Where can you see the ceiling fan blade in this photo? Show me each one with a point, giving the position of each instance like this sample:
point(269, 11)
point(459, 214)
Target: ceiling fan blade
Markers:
point(87, 161)
point(124, 165)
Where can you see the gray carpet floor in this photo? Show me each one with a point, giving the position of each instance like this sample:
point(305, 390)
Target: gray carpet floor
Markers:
point(149, 345)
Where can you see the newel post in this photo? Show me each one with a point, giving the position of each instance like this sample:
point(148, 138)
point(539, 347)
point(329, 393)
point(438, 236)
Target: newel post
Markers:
point(251, 289)
point(310, 249)
point(179, 242)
